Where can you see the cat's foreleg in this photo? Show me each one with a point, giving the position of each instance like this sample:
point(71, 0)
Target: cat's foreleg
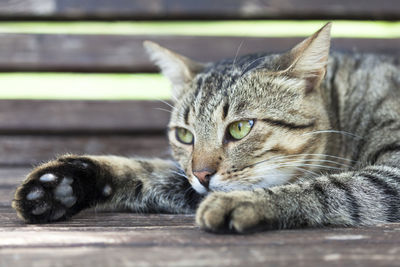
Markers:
point(63, 187)
point(364, 197)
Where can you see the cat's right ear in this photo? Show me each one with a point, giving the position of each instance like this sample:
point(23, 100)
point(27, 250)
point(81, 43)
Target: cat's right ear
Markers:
point(179, 69)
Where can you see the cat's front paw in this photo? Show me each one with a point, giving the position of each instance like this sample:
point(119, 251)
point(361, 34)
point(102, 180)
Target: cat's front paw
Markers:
point(56, 190)
point(239, 212)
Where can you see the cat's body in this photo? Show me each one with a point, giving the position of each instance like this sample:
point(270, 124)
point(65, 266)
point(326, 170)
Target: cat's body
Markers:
point(278, 143)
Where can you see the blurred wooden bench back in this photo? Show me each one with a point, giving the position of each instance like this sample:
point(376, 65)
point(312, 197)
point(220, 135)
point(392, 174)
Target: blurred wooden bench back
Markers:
point(34, 131)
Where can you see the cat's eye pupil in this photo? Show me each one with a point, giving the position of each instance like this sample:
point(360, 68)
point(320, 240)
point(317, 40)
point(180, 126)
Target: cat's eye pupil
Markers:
point(184, 136)
point(239, 129)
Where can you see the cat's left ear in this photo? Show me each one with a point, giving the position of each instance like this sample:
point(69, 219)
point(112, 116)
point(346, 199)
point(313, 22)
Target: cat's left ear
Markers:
point(309, 58)
point(179, 69)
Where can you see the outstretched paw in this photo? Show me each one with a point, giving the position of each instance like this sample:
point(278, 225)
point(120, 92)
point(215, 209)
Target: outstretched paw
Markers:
point(58, 190)
point(237, 212)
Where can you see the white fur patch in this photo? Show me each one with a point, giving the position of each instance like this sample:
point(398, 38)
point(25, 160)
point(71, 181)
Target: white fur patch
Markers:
point(199, 187)
point(262, 178)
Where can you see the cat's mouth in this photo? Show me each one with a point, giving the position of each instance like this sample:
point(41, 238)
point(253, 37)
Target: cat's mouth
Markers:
point(198, 187)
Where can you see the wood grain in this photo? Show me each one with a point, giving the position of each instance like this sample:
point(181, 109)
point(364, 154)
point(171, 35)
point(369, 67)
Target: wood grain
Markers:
point(96, 117)
point(127, 239)
point(33, 149)
point(193, 9)
point(123, 239)
point(122, 53)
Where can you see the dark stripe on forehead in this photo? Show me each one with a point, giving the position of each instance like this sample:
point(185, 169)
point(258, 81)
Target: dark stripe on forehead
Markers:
point(199, 84)
point(186, 115)
point(288, 125)
point(225, 110)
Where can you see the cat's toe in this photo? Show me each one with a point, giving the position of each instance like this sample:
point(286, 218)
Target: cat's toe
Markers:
point(245, 217)
point(213, 213)
point(45, 198)
point(36, 193)
point(48, 178)
point(237, 212)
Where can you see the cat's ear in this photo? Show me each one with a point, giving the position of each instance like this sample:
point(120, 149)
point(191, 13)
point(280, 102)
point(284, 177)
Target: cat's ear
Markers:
point(179, 69)
point(309, 58)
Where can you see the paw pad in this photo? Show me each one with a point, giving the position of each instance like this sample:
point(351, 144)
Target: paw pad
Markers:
point(47, 178)
point(64, 192)
point(58, 214)
point(40, 209)
point(36, 193)
point(107, 190)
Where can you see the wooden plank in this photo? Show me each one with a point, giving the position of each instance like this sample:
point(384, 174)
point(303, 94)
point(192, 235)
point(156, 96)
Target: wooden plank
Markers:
point(10, 178)
point(127, 239)
point(31, 150)
point(123, 53)
point(193, 9)
point(173, 240)
point(100, 117)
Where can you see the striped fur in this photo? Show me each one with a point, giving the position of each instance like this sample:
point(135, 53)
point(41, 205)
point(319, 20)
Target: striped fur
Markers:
point(324, 149)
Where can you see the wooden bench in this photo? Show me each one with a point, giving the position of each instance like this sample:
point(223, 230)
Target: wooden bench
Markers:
point(35, 131)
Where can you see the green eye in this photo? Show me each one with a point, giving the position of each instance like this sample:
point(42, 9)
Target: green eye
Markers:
point(184, 136)
point(240, 129)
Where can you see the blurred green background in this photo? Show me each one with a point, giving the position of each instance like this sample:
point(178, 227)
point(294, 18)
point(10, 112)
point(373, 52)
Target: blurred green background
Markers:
point(131, 86)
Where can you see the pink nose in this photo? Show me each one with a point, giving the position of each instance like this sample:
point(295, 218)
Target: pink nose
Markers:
point(204, 176)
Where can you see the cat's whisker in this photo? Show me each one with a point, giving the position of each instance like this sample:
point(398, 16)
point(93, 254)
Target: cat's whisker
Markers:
point(179, 174)
point(320, 160)
point(245, 68)
point(283, 158)
point(166, 103)
point(319, 166)
point(305, 154)
point(174, 98)
point(308, 171)
point(336, 132)
point(163, 109)
point(237, 53)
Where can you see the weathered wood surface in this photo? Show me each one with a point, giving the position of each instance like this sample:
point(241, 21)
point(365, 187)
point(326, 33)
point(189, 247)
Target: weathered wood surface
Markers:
point(33, 149)
point(194, 9)
point(36, 131)
point(124, 53)
point(125, 239)
point(96, 117)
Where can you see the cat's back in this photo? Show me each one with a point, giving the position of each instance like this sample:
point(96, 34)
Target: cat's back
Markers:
point(363, 72)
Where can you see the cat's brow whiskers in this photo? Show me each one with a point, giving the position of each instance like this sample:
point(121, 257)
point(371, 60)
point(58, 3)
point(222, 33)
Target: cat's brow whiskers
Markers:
point(163, 109)
point(249, 64)
point(234, 61)
point(237, 53)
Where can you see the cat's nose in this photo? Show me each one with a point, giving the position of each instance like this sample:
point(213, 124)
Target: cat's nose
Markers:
point(204, 176)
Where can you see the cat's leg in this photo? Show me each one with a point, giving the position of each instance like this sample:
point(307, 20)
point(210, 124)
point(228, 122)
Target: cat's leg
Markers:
point(63, 187)
point(365, 197)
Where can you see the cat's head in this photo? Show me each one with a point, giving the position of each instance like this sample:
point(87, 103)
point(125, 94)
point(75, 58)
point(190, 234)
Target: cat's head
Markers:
point(247, 122)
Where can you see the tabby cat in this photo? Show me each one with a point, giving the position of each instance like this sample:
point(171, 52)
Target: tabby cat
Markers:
point(300, 139)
